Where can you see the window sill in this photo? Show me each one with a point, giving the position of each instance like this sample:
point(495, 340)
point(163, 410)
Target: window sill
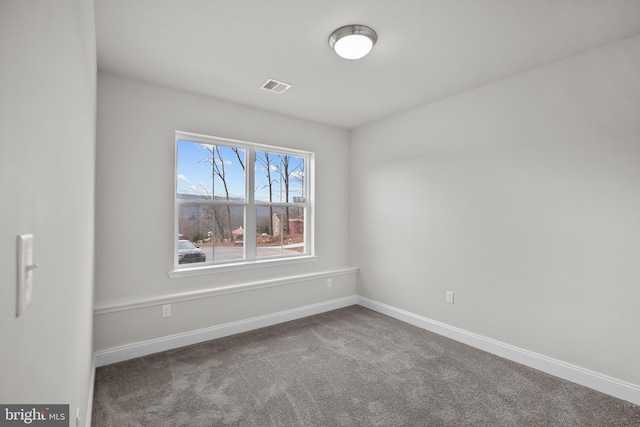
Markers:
point(212, 269)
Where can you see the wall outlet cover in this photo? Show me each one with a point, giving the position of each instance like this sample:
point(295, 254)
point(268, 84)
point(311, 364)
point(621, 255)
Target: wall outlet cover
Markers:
point(166, 310)
point(450, 297)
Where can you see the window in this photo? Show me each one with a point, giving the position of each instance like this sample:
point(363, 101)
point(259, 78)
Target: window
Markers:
point(240, 203)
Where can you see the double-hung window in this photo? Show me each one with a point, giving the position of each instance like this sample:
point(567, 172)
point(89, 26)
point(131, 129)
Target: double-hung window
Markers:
point(240, 203)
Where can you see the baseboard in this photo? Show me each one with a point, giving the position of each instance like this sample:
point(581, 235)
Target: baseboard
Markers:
point(126, 352)
point(599, 382)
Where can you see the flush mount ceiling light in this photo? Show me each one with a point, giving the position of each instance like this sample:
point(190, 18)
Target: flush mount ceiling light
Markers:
point(353, 41)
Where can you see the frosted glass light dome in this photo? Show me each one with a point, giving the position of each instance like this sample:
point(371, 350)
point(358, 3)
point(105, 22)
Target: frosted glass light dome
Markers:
point(353, 41)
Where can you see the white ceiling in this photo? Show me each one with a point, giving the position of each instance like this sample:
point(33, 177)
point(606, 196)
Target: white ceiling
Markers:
point(427, 50)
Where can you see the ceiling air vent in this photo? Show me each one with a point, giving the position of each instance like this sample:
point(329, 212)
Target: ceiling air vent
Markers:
point(275, 86)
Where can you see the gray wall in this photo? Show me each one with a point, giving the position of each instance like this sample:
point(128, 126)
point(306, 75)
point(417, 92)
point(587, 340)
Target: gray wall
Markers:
point(523, 198)
point(135, 210)
point(47, 147)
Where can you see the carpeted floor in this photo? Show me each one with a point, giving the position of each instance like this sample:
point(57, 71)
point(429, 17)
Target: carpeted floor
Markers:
point(348, 367)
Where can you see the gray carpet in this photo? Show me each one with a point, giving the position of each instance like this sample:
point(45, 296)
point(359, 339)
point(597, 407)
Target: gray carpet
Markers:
point(348, 367)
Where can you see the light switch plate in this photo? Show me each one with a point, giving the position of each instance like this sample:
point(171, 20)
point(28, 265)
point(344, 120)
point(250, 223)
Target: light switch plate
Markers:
point(25, 273)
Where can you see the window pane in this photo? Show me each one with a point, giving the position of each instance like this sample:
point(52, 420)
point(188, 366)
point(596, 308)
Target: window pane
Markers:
point(279, 178)
point(229, 233)
point(216, 230)
point(209, 172)
point(280, 231)
point(194, 234)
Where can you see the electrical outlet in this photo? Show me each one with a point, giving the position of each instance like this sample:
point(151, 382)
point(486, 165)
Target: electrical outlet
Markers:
point(166, 310)
point(329, 283)
point(449, 297)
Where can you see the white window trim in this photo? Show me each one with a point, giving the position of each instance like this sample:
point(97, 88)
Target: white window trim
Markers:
point(250, 260)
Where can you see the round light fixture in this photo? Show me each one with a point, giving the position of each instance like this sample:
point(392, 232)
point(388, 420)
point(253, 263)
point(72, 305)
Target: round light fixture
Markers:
point(353, 41)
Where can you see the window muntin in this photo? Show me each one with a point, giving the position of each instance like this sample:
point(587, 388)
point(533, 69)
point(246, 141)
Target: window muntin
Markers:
point(222, 190)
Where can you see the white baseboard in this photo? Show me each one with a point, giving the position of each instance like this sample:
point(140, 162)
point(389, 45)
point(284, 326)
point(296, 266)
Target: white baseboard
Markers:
point(602, 383)
point(131, 351)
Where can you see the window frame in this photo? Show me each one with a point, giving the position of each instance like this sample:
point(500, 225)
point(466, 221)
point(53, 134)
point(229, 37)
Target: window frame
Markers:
point(250, 205)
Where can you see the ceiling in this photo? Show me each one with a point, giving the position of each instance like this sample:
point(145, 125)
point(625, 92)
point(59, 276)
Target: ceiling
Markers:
point(427, 50)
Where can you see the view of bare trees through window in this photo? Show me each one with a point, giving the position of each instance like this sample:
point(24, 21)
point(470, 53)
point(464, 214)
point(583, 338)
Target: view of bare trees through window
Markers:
point(279, 182)
point(212, 204)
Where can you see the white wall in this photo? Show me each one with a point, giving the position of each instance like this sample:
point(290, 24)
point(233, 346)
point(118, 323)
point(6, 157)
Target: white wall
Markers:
point(135, 208)
point(47, 147)
point(522, 197)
